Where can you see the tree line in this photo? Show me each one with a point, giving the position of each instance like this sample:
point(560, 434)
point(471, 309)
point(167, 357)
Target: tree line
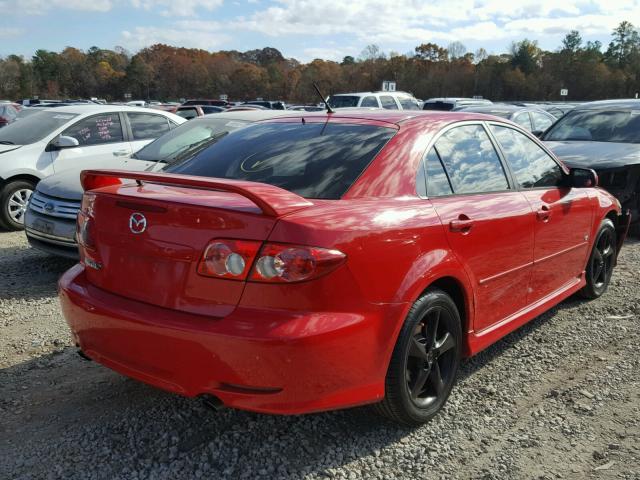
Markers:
point(587, 69)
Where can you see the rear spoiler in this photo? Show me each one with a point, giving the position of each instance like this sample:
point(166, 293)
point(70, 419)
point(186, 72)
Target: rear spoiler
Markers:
point(273, 201)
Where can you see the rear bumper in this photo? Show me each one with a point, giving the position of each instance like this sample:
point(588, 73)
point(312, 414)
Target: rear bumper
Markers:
point(260, 360)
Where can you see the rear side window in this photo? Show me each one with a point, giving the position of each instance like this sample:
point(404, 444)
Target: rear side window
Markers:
point(541, 121)
point(408, 103)
point(523, 120)
point(437, 181)
point(369, 101)
point(145, 126)
point(314, 160)
point(471, 161)
point(187, 113)
point(97, 130)
point(388, 103)
point(342, 101)
point(532, 166)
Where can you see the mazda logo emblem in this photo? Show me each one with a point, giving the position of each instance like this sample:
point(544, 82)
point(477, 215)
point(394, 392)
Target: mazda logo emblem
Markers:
point(137, 223)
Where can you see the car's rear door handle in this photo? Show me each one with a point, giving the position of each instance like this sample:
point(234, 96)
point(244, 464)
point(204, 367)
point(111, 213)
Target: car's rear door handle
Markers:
point(120, 153)
point(463, 224)
point(544, 213)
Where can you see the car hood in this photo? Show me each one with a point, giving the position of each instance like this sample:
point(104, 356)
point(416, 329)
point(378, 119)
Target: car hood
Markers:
point(596, 155)
point(8, 148)
point(67, 185)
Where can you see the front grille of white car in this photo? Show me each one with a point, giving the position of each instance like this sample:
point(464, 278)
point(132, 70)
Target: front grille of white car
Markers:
point(54, 207)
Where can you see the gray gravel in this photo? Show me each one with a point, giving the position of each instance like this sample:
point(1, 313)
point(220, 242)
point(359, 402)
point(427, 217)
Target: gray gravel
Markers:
point(559, 398)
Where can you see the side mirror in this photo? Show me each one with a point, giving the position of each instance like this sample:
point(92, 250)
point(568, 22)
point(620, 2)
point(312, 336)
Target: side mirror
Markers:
point(63, 141)
point(583, 178)
point(538, 133)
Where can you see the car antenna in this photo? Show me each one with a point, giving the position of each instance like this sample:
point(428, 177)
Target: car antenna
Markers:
point(326, 104)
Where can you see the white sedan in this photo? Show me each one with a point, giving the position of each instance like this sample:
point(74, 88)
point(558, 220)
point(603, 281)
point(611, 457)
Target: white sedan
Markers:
point(70, 138)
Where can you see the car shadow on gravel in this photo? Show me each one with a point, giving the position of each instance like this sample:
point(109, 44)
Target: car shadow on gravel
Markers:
point(58, 404)
point(29, 274)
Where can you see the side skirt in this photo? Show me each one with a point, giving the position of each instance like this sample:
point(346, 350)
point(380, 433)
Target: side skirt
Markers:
point(478, 341)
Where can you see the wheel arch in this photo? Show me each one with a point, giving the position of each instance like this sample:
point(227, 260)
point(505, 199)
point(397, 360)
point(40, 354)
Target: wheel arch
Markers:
point(20, 176)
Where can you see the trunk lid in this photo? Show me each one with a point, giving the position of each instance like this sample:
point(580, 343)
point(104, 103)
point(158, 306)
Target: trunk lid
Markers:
point(157, 264)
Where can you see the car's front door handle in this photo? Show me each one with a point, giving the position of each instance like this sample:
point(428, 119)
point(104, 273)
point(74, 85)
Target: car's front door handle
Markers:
point(544, 213)
point(121, 153)
point(463, 224)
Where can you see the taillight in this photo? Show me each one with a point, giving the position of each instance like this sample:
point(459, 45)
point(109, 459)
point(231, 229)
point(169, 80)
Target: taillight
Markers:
point(276, 263)
point(230, 259)
point(85, 231)
point(280, 263)
point(91, 182)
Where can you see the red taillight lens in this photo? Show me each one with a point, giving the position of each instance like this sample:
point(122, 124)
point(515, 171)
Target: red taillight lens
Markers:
point(85, 231)
point(289, 263)
point(91, 182)
point(230, 259)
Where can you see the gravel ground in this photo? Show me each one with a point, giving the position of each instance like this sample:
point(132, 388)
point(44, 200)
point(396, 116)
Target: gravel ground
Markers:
point(559, 398)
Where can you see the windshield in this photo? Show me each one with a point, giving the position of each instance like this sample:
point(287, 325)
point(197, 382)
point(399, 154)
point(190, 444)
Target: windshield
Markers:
point(314, 160)
point(438, 105)
point(342, 101)
point(33, 128)
point(597, 126)
point(187, 139)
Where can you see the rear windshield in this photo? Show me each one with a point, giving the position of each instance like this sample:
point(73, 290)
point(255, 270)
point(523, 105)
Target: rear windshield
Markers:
point(597, 126)
point(314, 160)
point(342, 101)
point(187, 139)
point(445, 106)
point(34, 128)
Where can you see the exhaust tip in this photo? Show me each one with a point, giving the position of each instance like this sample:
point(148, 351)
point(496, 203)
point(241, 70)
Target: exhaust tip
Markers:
point(84, 356)
point(212, 402)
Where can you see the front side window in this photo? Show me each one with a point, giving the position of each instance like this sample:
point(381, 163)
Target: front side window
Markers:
point(145, 125)
point(96, 130)
point(471, 160)
point(531, 165)
point(369, 101)
point(314, 160)
point(388, 103)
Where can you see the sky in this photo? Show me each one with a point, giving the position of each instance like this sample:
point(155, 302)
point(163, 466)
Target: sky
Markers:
point(304, 29)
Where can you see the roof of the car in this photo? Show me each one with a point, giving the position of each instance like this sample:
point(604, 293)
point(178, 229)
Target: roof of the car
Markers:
point(379, 92)
point(250, 115)
point(82, 109)
point(629, 103)
point(396, 117)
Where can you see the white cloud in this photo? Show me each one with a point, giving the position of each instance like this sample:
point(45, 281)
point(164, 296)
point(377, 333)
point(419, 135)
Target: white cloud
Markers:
point(175, 8)
point(384, 22)
point(142, 37)
point(40, 7)
point(10, 31)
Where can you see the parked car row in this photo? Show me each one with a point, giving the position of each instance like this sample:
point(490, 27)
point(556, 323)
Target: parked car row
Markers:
point(357, 253)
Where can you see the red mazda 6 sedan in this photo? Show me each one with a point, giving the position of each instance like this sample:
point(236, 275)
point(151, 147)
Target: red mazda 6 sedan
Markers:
point(322, 261)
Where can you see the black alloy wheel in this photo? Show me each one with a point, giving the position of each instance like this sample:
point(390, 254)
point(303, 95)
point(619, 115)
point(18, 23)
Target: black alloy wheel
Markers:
point(601, 261)
point(431, 359)
point(425, 361)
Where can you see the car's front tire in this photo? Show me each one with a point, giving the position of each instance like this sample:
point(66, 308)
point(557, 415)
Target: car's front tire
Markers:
point(425, 361)
point(14, 198)
point(601, 261)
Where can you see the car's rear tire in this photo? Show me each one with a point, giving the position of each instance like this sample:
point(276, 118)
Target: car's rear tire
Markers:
point(601, 261)
point(425, 361)
point(13, 203)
